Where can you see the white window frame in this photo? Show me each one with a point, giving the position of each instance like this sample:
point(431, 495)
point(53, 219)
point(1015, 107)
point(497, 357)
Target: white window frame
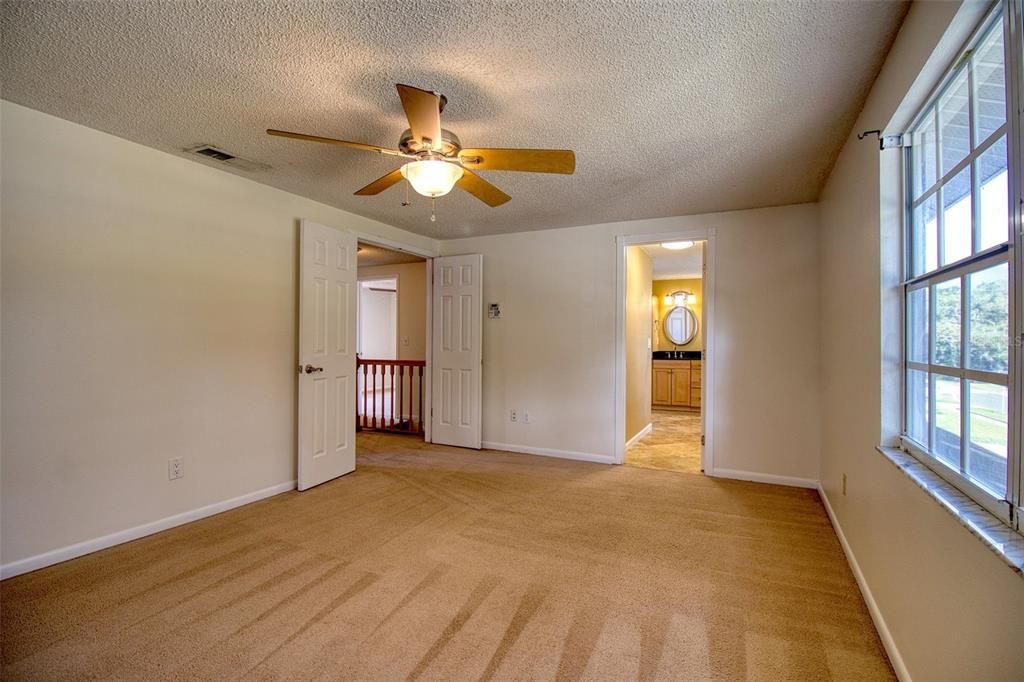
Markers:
point(1009, 510)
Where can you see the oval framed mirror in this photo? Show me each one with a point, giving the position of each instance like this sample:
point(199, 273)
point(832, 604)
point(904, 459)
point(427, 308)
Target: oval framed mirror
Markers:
point(680, 325)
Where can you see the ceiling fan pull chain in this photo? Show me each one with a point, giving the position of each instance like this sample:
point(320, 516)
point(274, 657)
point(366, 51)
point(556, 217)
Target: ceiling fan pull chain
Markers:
point(433, 205)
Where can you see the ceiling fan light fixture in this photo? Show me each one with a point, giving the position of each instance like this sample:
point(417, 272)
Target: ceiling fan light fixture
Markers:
point(432, 178)
point(677, 246)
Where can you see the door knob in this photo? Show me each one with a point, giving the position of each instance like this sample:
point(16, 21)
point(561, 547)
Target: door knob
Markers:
point(310, 369)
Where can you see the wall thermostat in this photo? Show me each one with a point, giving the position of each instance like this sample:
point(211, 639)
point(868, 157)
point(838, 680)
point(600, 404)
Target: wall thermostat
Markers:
point(494, 311)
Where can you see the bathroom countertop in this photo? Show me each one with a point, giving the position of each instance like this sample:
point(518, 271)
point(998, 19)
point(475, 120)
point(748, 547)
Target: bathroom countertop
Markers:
point(676, 355)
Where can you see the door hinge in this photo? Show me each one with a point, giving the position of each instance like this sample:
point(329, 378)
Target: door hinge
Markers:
point(702, 439)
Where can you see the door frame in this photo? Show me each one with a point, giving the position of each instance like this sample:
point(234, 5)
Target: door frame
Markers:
point(429, 255)
point(622, 242)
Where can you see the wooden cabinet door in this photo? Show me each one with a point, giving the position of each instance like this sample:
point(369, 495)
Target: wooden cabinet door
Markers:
point(681, 387)
point(661, 386)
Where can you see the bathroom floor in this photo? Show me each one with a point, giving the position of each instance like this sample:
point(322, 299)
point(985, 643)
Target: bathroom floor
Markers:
point(672, 445)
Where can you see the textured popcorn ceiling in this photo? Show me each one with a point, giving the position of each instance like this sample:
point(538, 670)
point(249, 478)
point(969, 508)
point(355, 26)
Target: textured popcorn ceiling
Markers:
point(672, 107)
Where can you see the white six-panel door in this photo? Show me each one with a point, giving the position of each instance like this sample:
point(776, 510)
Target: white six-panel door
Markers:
point(456, 340)
point(327, 357)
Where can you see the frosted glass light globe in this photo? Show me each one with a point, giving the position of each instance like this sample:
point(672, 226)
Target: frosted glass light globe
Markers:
point(432, 178)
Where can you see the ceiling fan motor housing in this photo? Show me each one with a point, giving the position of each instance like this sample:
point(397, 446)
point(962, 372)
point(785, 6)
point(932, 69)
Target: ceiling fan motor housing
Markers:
point(450, 144)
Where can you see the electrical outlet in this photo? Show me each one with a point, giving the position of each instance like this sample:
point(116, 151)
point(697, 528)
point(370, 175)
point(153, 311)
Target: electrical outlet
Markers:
point(175, 468)
point(526, 417)
point(514, 415)
point(844, 484)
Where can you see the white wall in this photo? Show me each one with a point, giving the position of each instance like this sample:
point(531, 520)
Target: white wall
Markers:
point(149, 312)
point(553, 349)
point(378, 323)
point(412, 305)
point(954, 610)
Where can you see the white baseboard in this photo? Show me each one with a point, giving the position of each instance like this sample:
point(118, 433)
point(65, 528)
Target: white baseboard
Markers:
point(876, 615)
point(56, 556)
point(547, 452)
point(763, 478)
point(639, 434)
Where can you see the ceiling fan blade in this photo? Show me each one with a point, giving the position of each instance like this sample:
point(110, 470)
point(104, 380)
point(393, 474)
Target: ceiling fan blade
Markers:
point(530, 160)
point(331, 140)
point(423, 109)
point(481, 189)
point(381, 184)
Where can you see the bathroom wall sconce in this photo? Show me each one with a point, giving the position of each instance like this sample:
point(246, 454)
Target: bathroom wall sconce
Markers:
point(679, 298)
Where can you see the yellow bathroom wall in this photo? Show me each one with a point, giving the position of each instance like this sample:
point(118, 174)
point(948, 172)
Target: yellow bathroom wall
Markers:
point(659, 288)
point(639, 340)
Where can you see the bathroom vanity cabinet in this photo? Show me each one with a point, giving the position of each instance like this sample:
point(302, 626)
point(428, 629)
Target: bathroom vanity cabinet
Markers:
point(676, 384)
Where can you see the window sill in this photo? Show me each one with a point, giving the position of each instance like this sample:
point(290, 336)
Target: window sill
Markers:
point(997, 536)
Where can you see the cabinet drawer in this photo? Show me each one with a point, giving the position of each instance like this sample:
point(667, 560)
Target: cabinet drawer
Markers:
point(671, 364)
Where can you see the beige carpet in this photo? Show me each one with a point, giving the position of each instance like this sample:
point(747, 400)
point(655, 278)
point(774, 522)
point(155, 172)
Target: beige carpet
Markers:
point(672, 445)
point(438, 563)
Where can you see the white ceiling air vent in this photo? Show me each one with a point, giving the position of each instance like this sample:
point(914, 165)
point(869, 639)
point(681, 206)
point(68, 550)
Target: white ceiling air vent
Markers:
point(221, 157)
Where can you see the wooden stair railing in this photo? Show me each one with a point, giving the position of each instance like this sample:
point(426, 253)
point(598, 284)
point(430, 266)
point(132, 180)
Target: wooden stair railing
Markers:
point(389, 395)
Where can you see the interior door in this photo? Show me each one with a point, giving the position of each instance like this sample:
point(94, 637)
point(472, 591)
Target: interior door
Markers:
point(327, 358)
point(456, 341)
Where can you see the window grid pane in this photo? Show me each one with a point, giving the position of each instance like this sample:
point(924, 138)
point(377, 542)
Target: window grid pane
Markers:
point(993, 196)
point(945, 395)
point(988, 440)
point(989, 86)
point(925, 236)
point(924, 154)
point(947, 320)
point(988, 332)
point(917, 406)
point(954, 123)
point(956, 218)
point(918, 325)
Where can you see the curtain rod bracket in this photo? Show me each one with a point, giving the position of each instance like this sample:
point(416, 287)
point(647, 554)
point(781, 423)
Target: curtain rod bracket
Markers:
point(886, 141)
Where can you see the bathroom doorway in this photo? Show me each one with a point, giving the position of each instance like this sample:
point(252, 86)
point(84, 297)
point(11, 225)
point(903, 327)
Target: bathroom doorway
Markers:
point(664, 332)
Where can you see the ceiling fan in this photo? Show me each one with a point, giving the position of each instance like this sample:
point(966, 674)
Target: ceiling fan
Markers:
point(437, 160)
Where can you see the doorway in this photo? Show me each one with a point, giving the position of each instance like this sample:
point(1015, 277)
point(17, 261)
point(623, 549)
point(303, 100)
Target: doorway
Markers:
point(662, 371)
point(340, 390)
point(391, 323)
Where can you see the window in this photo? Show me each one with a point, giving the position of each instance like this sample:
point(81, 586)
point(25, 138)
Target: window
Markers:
point(961, 375)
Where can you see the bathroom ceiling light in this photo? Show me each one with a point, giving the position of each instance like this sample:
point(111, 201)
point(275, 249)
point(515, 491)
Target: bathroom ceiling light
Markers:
point(677, 246)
